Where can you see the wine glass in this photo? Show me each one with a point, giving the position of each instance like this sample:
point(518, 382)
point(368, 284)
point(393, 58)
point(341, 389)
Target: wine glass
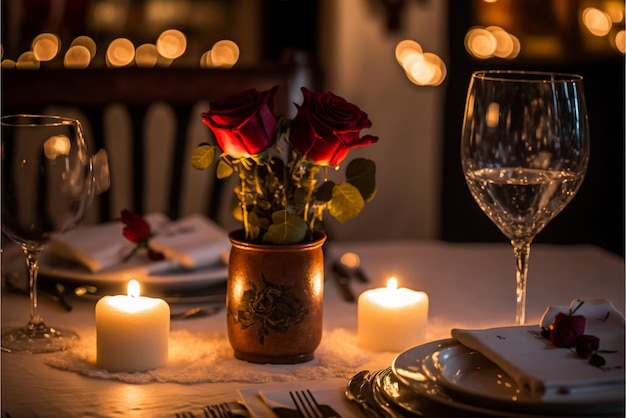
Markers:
point(524, 152)
point(47, 186)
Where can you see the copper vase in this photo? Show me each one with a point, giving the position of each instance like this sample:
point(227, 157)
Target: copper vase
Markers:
point(274, 300)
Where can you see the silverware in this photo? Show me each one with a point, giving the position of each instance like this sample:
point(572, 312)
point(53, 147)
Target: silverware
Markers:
point(309, 408)
point(17, 281)
point(221, 410)
point(185, 414)
point(195, 312)
point(359, 392)
point(342, 279)
point(352, 262)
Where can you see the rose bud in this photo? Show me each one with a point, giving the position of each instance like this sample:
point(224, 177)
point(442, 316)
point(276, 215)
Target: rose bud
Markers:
point(587, 345)
point(136, 228)
point(566, 328)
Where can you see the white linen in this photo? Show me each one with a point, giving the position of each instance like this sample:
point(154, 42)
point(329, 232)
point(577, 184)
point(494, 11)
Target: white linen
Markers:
point(191, 242)
point(545, 371)
point(194, 241)
point(443, 270)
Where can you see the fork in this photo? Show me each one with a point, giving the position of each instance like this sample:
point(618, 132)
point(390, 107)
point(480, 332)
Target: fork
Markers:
point(308, 406)
point(185, 414)
point(221, 410)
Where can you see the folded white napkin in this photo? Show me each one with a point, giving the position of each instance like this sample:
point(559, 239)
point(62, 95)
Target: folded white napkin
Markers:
point(545, 371)
point(191, 242)
point(194, 241)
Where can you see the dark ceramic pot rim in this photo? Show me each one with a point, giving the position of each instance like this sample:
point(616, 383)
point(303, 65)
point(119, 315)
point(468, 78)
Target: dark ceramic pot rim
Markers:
point(236, 238)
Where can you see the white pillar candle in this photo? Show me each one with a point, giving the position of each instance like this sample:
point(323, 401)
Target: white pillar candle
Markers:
point(392, 319)
point(132, 332)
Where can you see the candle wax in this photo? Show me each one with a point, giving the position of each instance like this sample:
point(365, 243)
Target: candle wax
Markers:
point(132, 333)
point(392, 319)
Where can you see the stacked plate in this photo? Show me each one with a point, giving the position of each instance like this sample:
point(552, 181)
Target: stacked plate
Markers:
point(445, 378)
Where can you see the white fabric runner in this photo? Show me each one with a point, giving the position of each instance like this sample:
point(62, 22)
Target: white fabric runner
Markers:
point(196, 357)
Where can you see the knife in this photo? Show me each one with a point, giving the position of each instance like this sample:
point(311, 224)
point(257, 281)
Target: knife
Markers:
point(340, 274)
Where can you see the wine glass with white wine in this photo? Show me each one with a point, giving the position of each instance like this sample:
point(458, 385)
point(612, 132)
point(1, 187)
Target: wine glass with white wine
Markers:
point(47, 186)
point(524, 152)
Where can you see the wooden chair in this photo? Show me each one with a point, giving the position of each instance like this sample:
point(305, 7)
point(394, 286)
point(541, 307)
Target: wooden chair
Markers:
point(148, 120)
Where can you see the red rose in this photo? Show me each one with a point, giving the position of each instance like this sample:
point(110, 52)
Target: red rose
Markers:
point(136, 229)
point(244, 124)
point(586, 345)
point(565, 329)
point(327, 127)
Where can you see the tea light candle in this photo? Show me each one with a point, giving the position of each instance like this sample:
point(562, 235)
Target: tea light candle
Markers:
point(132, 332)
point(392, 319)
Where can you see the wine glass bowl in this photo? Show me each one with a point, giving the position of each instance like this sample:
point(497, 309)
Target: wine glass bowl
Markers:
point(524, 153)
point(47, 187)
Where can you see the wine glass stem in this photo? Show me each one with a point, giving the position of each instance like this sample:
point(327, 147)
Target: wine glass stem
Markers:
point(521, 250)
point(32, 262)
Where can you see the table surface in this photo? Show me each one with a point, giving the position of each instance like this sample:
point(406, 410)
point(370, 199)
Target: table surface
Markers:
point(469, 286)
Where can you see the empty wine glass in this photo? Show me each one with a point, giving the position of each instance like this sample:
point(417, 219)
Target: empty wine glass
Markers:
point(524, 152)
point(47, 186)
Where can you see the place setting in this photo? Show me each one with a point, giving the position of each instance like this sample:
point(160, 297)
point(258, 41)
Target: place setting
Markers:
point(507, 372)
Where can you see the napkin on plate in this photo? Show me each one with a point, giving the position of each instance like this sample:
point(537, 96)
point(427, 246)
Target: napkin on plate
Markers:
point(191, 242)
point(545, 371)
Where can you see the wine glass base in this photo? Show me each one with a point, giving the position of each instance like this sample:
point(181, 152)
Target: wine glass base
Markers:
point(37, 338)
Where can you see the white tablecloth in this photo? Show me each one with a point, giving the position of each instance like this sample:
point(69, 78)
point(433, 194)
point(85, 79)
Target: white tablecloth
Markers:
point(469, 285)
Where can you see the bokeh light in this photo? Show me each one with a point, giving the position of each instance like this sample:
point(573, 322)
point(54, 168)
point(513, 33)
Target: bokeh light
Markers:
point(620, 41)
point(120, 53)
point(224, 54)
point(596, 21)
point(27, 61)
point(77, 56)
point(146, 55)
point(171, 43)
point(490, 42)
point(46, 46)
point(421, 68)
point(86, 42)
point(408, 50)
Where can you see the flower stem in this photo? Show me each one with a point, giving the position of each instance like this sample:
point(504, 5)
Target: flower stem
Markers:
point(242, 201)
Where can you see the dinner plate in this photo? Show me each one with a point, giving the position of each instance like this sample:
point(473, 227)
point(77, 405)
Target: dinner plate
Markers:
point(427, 398)
point(470, 378)
point(173, 279)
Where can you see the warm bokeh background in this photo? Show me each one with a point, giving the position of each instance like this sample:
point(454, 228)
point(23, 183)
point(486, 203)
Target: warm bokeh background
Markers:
point(349, 47)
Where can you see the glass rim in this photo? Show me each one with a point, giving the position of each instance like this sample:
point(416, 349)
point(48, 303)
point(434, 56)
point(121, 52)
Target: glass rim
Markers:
point(523, 76)
point(50, 120)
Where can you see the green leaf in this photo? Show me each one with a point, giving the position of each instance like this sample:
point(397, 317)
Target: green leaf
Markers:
point(286, 228)
point(361, 173)
point(202, 156)
point(346, 203)
point(224, 170)
point(325, 192)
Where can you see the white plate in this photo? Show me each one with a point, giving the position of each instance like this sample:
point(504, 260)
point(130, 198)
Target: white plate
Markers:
point(51, 267)
point(469, 377)
point(427, 398)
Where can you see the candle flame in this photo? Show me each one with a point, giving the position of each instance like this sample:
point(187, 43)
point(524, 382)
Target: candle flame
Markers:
point(133, 289)
point(392, 283)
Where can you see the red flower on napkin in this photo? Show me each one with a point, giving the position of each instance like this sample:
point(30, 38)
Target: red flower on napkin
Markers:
point(137, 230)
point(566, 328)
